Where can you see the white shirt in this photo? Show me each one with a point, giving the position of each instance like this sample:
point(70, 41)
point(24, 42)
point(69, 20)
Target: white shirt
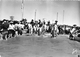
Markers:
point(56, 27)
point(16, 25)
point(47, 27)
point(30, 26)
point(72, 31)
point(11, 27)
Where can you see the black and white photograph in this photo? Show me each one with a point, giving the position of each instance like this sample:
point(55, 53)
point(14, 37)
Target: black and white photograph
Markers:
point(39, 28)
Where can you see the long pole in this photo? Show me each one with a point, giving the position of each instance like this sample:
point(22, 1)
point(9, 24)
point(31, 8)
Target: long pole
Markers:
point(57, 16)
point(63, 21)
point(63, 16)
point(22, 8)
point(35, 15)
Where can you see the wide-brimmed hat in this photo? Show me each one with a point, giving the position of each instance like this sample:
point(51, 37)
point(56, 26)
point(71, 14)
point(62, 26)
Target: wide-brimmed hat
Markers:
point(74, 25)
point(56, 21)
point(11, 22)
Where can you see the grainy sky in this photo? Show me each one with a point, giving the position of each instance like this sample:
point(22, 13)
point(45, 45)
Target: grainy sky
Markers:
point(44, 9)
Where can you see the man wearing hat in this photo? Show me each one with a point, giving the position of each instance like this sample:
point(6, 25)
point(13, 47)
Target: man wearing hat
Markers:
point(72, 32)
point(32, 24)
point(48, 27)
point(11, 30)
point(55, 28)
point(5, 26)
point(73, 29)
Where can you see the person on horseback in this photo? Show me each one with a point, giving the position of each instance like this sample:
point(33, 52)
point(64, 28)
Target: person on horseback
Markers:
point(5, 26)
point(72, 32)
point(11, 30)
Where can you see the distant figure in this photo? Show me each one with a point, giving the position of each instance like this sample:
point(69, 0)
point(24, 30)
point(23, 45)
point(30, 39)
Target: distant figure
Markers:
point(11, 30)
point(72, 32)
point(43, 27)
point(5, 26)
point(48, 27)
point(20, 28)
point(32, 24)
point(55, 28)
point(60, 30)
point(52, 30)
point(73, 29)
point(39, 27)
point(30, 28)
point(36, 27)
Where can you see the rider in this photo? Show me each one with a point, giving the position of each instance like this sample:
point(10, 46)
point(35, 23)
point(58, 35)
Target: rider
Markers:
point(40, 27)
point(5, 26)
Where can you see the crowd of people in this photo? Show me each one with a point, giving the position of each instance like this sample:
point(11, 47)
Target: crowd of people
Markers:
point(9, 28)
point(74, 33)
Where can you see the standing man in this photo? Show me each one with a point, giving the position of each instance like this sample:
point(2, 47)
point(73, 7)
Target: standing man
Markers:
point(55, 28)
point(11, 30)
point(48, 27)
point(44, 27)
point(36, 27)
point(32, 24)
point(40, 27)
point(52, 30)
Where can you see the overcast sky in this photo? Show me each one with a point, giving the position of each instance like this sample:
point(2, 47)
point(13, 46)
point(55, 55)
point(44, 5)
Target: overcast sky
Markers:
point(44, 9)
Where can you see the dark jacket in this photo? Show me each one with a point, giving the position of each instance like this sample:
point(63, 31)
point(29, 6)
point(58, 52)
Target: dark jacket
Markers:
point(5, 26)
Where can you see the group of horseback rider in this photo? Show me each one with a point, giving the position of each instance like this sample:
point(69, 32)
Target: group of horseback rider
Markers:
point(9, 29)
point(40, 27)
